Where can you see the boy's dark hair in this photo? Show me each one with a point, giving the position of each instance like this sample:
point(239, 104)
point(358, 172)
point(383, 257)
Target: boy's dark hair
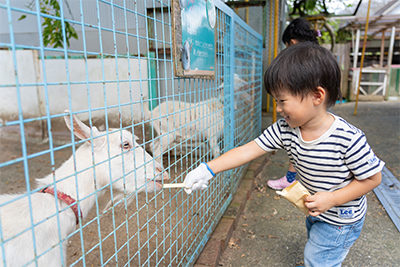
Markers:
point(300, 30)
point(301, 68)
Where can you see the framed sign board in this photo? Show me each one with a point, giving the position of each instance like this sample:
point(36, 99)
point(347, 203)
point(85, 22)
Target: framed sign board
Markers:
point(193, 38)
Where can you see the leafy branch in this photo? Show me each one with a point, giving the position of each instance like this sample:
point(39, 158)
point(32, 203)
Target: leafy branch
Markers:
point(316, 11)
point(52, 28)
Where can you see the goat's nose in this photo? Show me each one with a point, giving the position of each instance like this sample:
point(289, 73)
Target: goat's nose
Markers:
point(165, 174)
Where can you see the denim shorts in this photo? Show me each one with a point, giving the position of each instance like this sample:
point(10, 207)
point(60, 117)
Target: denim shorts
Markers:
point(329, 244)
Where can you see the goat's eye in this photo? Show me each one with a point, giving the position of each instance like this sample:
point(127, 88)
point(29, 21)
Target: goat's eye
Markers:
point(126, 145)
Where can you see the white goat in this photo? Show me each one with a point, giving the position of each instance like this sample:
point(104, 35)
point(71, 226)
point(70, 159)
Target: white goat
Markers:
point(175, 121)
point(117, 159)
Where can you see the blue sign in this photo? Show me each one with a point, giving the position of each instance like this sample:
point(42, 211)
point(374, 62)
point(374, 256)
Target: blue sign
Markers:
point(198, 19)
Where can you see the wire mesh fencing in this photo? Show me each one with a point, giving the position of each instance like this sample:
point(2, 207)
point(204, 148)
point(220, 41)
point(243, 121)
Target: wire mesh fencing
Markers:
point(94, 122)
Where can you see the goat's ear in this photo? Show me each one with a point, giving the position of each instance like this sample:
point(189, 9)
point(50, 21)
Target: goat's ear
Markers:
point(135, 139)
point(95, 131)
point(81, 130)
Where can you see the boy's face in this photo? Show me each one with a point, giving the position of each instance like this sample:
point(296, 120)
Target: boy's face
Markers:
point(295, 109)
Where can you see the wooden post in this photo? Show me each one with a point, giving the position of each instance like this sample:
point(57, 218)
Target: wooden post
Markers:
point(389, 64)
point(356, 47)
point(382, 49)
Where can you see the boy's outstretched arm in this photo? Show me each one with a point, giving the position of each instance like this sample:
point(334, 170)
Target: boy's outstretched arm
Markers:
point(199, 177)
point(322, 201)
point(236, 157)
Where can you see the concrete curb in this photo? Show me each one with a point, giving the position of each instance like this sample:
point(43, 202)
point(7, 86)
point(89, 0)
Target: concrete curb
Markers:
point(219, 239)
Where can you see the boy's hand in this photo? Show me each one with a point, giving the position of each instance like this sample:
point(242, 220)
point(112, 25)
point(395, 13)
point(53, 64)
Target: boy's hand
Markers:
point(319, 203)
point(198, 178)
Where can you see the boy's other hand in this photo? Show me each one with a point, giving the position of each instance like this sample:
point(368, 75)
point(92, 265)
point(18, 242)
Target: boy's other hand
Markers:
point(198, 178)
point(319, 203)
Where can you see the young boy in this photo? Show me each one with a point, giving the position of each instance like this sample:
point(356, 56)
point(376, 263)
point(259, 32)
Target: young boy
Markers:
point(299, 30)
point(332, 158)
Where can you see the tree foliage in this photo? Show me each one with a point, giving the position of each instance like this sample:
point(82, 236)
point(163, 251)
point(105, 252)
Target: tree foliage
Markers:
point(307, 7)
point(53, 32)
point(317, 11)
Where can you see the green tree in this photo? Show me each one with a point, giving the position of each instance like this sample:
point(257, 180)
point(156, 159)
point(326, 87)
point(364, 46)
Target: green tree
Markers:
point(315, 7)
point(307, 7)
point(317, 11)
point(52, 27)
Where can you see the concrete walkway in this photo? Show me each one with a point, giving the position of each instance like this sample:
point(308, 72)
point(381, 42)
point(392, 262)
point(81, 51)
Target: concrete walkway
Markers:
point(262, 229)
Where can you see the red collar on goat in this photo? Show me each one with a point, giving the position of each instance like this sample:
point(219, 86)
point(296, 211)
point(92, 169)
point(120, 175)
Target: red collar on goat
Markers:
point(67, 200)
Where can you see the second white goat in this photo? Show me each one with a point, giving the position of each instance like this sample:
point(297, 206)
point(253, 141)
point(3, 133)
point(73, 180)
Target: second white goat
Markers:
point(177, 121)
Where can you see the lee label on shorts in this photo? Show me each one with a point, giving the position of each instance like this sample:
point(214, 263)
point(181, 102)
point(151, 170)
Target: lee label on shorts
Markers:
point(346, 213)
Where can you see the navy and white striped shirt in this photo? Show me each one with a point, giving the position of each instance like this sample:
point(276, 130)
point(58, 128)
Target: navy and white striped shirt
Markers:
point(328, 163)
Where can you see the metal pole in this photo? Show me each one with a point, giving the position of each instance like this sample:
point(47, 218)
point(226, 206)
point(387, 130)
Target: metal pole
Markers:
point(276, 42)
point(270, 44)
point(264, 26)
point(362, 57)
point(247, 13)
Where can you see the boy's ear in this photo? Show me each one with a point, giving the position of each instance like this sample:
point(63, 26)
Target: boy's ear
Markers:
point(293, 42)
point(319, 96)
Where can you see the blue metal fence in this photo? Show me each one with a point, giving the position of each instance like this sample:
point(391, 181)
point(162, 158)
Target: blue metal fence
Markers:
point(105, 122)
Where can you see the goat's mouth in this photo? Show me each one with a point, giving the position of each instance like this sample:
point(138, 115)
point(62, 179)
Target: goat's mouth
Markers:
point(159, 183)
point(154, 183)
point(162, 175)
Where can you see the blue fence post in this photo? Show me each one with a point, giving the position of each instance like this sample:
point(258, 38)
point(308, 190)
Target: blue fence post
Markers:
point(232, 85)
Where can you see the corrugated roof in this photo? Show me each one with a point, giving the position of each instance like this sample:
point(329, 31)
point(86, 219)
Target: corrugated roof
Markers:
point(381, 20)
